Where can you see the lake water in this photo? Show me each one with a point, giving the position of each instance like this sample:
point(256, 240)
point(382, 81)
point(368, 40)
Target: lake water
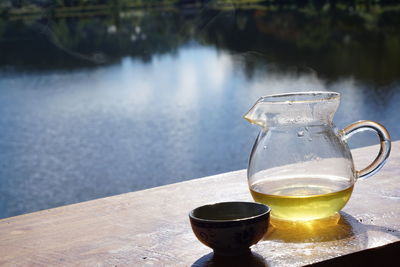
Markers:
point(102, 105)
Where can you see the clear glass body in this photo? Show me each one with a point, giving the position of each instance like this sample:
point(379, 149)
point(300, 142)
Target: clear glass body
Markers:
point(300, 164)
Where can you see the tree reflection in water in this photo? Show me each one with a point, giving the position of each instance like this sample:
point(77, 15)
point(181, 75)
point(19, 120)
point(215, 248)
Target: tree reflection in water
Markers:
point(334, 39)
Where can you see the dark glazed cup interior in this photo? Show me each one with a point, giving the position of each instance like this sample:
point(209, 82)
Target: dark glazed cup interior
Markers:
point(229, 211)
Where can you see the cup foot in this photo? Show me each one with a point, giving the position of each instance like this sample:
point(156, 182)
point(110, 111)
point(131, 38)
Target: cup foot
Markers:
point(232, 252)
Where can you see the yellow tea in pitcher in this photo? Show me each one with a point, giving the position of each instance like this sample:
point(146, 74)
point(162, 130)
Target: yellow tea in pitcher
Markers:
point(302, 199)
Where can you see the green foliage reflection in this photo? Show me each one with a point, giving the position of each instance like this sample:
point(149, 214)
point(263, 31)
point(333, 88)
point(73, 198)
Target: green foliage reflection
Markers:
point(334, 38)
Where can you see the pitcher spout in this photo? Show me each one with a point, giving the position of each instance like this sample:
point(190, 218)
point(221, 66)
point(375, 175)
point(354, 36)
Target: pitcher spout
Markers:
point(257, 114)
point(299, 108)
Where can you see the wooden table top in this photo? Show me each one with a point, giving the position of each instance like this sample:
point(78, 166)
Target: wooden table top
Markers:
point(151, 227)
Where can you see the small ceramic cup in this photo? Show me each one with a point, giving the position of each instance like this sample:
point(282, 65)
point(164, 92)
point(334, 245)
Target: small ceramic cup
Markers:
point(230, 228)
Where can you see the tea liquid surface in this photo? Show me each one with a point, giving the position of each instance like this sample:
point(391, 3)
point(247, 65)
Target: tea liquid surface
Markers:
point(302, 199)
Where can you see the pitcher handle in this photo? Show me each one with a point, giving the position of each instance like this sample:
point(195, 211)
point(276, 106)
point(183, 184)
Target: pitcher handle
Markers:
point(385, 143)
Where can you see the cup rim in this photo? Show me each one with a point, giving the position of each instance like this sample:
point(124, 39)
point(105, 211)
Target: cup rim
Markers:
point(267, 211)
point(309, 97)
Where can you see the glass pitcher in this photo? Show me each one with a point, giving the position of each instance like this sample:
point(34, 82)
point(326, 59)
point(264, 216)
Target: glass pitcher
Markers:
point(300, 164)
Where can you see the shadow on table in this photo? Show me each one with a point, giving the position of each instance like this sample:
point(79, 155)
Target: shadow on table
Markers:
point(250, 259)
point(342, 227)
point(371, 257)
point(335, 228)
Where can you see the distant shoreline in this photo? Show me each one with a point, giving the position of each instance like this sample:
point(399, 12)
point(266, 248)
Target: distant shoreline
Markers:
point(40, 8)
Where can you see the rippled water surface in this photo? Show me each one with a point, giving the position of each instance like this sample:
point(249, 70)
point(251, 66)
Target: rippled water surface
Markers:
point(97, 106)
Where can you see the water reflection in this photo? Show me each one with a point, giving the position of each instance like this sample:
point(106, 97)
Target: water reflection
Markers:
point(334, 40)
point(97, 106)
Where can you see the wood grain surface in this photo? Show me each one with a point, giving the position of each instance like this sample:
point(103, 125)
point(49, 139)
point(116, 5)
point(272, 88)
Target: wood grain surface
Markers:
point(151, 227)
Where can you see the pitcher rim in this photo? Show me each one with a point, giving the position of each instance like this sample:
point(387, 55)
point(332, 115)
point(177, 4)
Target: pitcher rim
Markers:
point(317, 96)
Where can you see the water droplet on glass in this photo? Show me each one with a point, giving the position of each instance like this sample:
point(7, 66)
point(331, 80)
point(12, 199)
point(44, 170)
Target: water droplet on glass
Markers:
point(306, 128)
point(300, 133)
point(310, 139)
point(265, 147)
